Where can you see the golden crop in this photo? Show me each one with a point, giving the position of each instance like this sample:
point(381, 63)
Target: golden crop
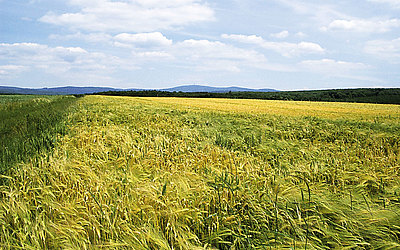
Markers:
point(338, 110)
point(179, 173)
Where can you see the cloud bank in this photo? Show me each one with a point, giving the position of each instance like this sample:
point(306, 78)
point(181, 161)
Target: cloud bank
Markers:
point(131, 16)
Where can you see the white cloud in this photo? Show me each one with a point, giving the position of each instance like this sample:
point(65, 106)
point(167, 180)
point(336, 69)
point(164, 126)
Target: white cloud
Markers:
point(363, 25)
point(394, 3)
point(245, 39)
point(215, 49)
point(320, 12)
point(385, 49)
point(331, 67)
point(132, 15)
point(124, 40)
point(58, 60)
point(284, 48)
point(280, 35)
point(300, 34)
point(7, 71)
point(155, 39)
point(201, 55)
point(153, 55)
point(214, 55)
point(91, 37)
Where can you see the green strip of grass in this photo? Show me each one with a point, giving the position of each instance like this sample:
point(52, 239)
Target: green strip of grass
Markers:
point(29, 125)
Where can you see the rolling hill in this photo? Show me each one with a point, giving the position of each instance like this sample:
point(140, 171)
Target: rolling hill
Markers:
point(71, 90)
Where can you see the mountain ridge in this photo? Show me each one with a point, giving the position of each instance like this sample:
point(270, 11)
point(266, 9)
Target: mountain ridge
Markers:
point(202, 88)
point(73, 90)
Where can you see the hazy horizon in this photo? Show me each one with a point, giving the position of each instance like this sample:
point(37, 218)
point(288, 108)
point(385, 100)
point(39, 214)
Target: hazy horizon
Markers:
point(184, 85)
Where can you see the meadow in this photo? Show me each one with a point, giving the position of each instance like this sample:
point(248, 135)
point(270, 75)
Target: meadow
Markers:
point(181, 173)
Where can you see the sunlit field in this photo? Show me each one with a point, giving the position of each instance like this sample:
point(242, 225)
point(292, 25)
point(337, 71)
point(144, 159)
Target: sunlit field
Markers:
point(350, 111)
point(179, 173)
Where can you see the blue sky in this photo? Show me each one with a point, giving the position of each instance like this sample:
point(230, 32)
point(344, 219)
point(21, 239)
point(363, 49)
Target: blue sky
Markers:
point(280, 44)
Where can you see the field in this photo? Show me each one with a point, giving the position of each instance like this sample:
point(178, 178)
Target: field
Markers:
point(373, 95)
point(180, 173)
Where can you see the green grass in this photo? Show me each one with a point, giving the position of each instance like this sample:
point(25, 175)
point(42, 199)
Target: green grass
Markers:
point(29, 126)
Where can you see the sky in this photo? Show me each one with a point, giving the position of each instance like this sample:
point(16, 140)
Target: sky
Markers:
point(279, 44)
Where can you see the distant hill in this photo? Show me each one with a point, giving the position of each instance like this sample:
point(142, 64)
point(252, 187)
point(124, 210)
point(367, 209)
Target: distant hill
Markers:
point(70, 90)
point(200, 88)
point(24, 91)
point(78, 90)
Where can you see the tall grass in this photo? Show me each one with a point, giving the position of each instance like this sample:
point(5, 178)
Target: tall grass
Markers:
point(29, 126)
point(136, 173)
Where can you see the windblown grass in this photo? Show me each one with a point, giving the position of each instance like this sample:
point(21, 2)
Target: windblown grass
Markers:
point(29, 126)
point(157, 174)
point(339, 110)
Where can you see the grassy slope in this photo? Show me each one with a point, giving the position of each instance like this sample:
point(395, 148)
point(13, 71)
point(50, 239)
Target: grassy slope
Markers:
point(149, 173)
